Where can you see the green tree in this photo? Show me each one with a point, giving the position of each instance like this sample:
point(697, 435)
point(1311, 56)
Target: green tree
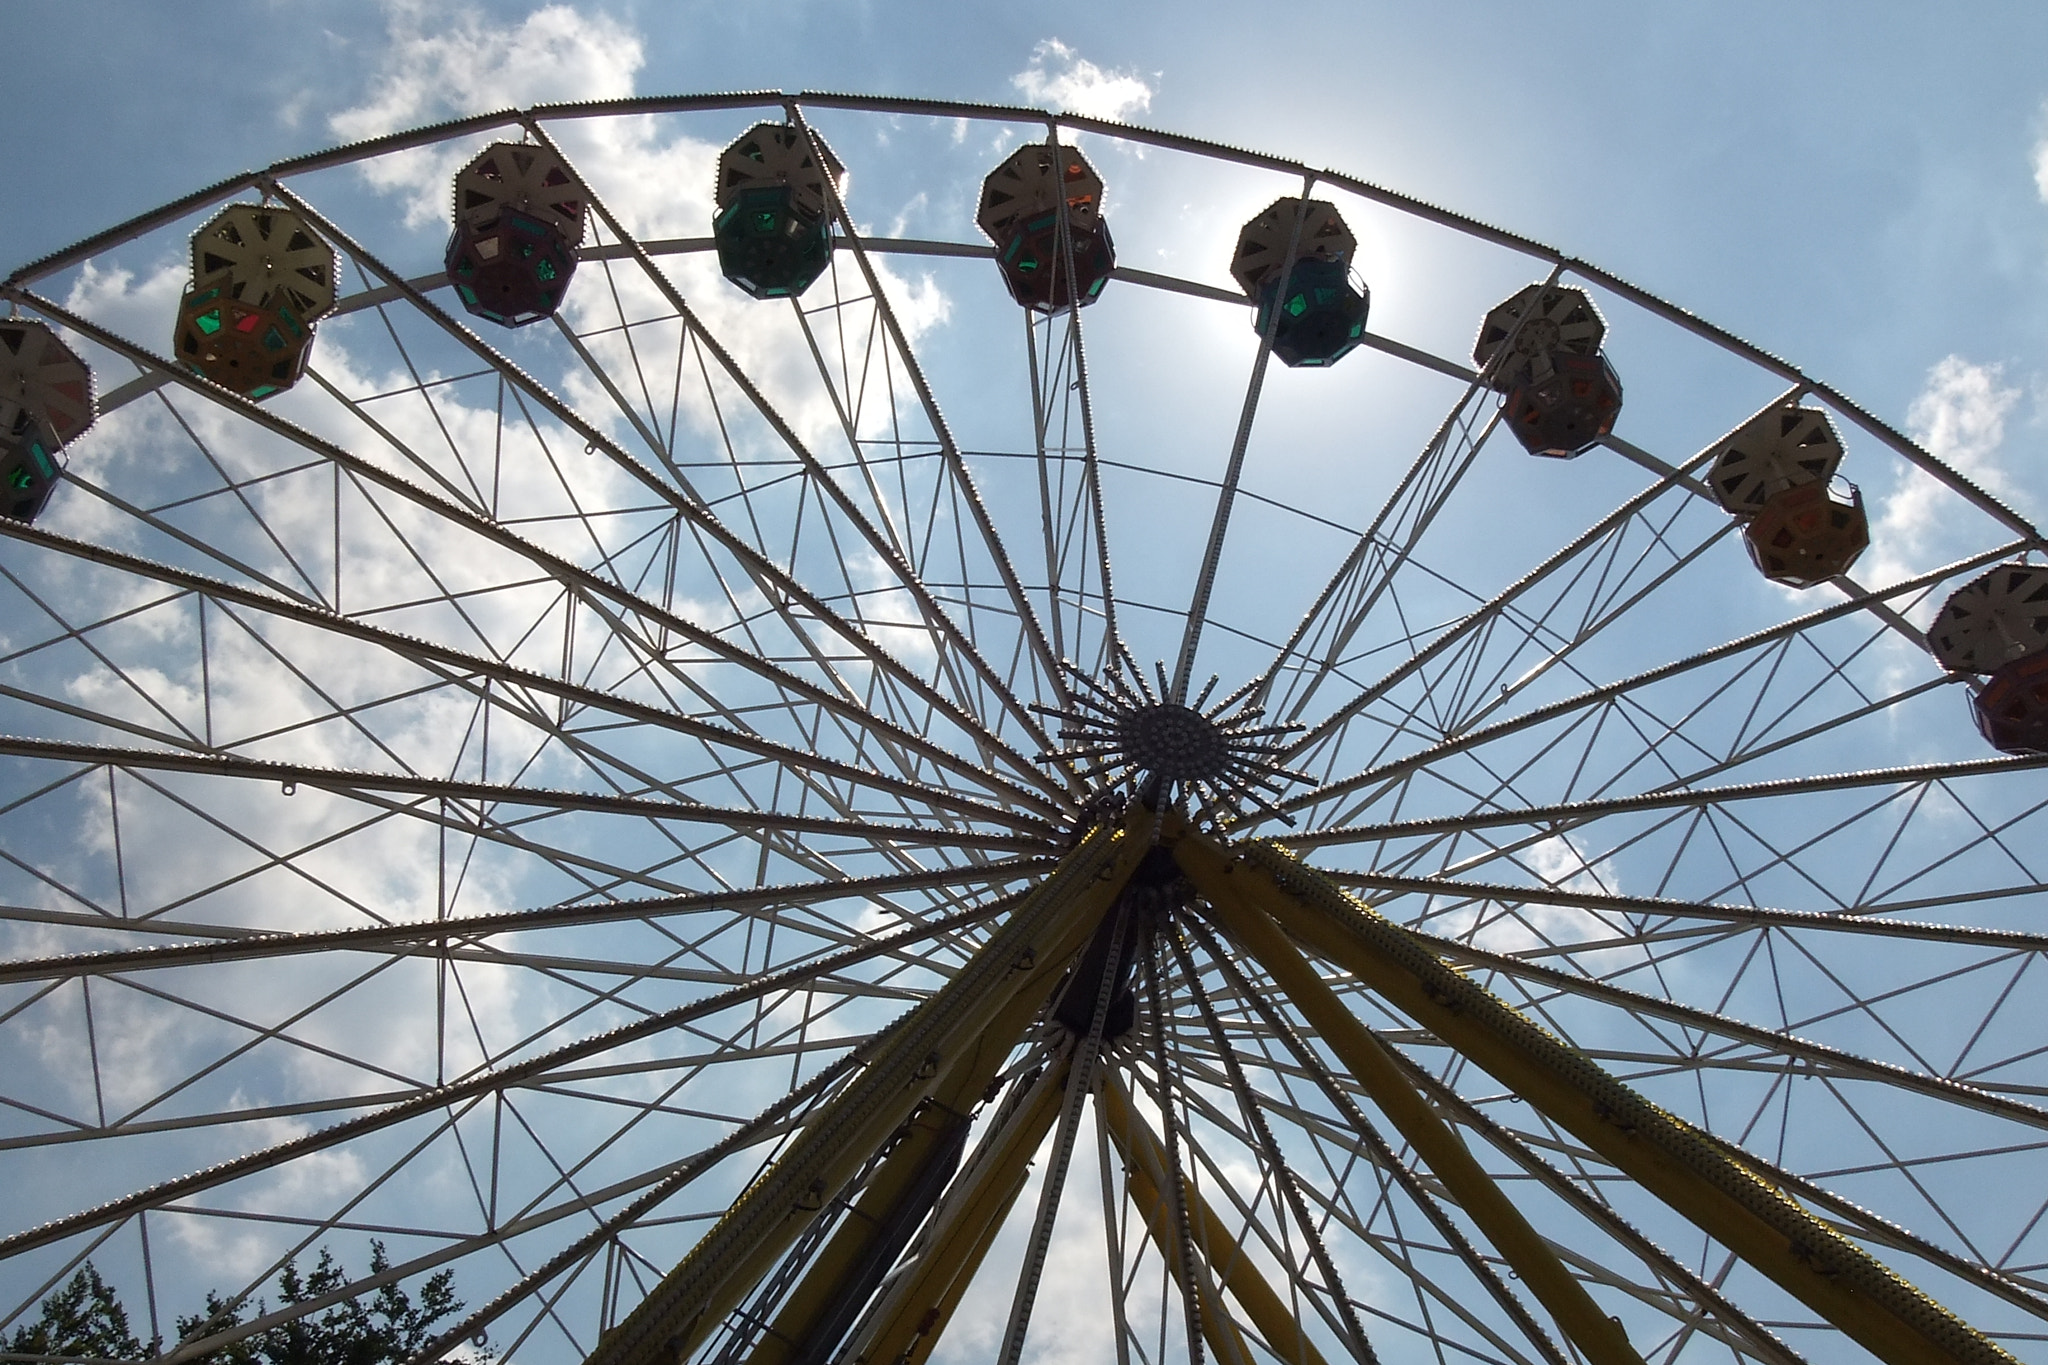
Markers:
point(384, 1328)
point(84, 1318)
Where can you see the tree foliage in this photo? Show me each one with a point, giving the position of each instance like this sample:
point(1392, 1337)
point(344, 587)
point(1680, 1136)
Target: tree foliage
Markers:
point(85, 1320)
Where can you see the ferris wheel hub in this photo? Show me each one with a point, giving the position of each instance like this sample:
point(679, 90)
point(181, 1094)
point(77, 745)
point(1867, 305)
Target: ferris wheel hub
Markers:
point(1120, 732)
point(1174, 742)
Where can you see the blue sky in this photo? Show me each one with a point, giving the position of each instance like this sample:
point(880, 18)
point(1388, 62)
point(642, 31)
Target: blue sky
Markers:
point(1853, 188)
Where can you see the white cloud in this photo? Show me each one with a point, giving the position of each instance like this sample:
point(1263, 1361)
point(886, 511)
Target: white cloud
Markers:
point(1959, 418)
point(446, 60)
point(1061, 77)
point(2041, 158)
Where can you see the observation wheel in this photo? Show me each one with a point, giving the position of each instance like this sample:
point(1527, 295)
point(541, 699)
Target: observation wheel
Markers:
point(615, 700)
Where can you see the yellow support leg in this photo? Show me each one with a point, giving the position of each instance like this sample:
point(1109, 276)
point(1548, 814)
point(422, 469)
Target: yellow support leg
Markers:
point(1258, 885)
point(898, 1191)
point(1229, 1268)
point(915, 1309)
point(1244, 919)
point(963, 1030)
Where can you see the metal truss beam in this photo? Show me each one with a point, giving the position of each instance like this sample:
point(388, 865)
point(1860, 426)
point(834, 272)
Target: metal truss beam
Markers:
point(1787, 1045)
point(237, 944)
point(345, 782)
point(1857, 920)
point(1573, 812)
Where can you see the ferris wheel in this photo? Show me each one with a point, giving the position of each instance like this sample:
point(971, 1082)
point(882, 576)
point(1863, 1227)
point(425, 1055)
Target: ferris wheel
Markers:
point(772, 747)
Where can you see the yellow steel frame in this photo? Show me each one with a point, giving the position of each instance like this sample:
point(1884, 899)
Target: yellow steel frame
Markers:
point(914, 1310)
point(844, 1259)
point(924, 1077)
point(922, 1058)
point(1264, 896)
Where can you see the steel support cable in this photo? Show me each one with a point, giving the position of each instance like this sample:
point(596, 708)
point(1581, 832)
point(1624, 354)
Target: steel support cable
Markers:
point(514, 1074)
point(1835, 1060)
point(777, 583)
point(1491, 609)
point(1226, 493)
point(1862, 919)
point(342, 781)
point(956, 465)
point(938, 1047)
point(1381, 1152)
point(849, 397)
point(1080, 1084)
point(1486, 612)
point(1248, 922)
point(586, 584)
point(424, 651)
point(1575, 812)
point(1493, 852)
point(905, 574)
point(235, 943)
point(1282, 1175)
point(1370, 551)
point(1726, 1199)
point(1798, 625)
